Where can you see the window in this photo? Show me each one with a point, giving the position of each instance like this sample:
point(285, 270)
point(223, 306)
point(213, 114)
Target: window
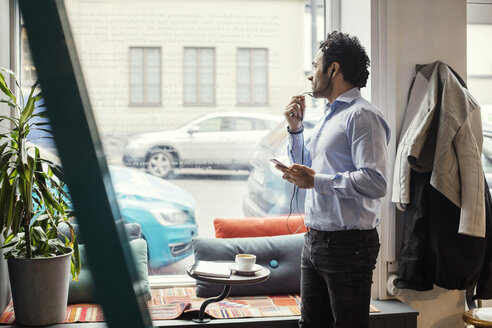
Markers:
point(28, 71)
point(145, 76)
point(199, 76)
point(217, 90)
point(252, 76)
point(212, 125)
point(479, 72)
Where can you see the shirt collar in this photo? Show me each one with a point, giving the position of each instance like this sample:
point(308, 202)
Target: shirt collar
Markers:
point(346, 97)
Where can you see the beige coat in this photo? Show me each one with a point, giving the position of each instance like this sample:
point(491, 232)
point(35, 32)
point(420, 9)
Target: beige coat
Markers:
point(442, 133)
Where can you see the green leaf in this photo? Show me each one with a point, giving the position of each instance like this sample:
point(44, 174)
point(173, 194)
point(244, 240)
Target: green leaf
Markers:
point(27, 111)
point(17, 215)
point(48, 198)
point(76, 258)
point(34, 86)
point(11, 242)
point(39, 233)
point(3, 86)
point(4, 160)
point(42, 114)
point(4, 191)
point(2, 148)
point(42, 123)
point(9, 206)
point(9, 238)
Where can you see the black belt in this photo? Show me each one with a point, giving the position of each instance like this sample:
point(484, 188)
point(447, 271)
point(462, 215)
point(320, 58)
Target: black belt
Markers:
point(344, 234)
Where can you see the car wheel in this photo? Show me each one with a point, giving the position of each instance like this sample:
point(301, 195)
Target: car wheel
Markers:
point(160, 163)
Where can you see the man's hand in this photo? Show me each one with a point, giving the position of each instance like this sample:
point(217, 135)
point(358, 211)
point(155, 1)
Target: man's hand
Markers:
point(294, 112)
point(300, 175)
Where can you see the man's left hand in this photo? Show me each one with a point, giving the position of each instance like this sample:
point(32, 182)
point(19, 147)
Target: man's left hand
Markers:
point(300, 175)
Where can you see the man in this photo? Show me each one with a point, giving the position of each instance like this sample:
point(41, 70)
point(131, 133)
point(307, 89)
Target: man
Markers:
point(343, 166)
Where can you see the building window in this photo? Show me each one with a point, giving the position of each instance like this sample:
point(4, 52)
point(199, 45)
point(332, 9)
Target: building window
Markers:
point(252, 76)
point(199, 76)
point(145, 76)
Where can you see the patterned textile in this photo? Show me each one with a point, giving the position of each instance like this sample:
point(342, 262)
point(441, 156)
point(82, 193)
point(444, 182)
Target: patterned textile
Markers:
point(170, 303)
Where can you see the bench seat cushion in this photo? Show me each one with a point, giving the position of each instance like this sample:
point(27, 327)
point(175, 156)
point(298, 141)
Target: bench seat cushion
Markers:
point(280, 254)
point(258, 226)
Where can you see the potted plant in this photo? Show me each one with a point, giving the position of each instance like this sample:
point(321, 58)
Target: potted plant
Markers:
point(33, 202)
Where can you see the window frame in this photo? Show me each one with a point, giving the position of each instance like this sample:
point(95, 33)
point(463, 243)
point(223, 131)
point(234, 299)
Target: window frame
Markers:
point(251, 102)
point(145, 102)
point(199, 84)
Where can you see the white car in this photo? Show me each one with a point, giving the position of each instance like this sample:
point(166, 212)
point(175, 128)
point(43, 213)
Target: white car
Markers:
point(219, 140)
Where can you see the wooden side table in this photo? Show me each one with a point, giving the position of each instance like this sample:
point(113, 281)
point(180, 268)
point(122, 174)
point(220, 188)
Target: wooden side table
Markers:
point(234, 279)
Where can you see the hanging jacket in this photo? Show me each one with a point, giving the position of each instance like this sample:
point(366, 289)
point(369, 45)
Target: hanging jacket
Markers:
point(442, 134)
point(433, 252)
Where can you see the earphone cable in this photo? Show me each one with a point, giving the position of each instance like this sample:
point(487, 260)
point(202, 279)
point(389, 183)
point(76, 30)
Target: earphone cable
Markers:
point(295, 193)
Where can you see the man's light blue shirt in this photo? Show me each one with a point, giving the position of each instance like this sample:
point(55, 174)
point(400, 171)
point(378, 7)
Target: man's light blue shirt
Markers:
point(348, 152)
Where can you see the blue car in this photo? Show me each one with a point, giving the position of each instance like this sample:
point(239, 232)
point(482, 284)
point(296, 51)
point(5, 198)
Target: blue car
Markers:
point(165, 212)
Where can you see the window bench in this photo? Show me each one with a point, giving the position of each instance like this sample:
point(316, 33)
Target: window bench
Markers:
point(393, 314)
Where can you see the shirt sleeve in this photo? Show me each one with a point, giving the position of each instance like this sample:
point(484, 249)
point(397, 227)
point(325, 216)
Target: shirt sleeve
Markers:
point(368, 136)
point(297, 150)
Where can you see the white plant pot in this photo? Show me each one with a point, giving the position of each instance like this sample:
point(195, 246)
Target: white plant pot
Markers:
point(39, 289)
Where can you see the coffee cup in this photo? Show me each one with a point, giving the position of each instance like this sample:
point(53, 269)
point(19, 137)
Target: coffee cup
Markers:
point(245, 262)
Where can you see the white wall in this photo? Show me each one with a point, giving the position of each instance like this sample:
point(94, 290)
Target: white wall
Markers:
point(406, 33)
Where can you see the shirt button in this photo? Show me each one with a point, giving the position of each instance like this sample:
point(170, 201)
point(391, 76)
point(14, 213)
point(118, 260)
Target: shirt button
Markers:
point(314, 155)
point(324, 192)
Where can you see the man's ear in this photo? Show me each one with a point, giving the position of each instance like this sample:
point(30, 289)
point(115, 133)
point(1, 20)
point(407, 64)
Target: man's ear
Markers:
point(334, 69)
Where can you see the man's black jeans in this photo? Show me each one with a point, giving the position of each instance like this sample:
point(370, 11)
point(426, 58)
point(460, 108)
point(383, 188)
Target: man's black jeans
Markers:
point(336, 278)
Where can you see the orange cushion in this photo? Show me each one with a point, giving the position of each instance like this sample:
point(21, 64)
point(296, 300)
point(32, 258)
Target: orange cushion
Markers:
point(258, 226)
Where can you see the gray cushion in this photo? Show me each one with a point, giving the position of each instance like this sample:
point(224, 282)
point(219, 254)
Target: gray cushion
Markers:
point(285, 250)
point(82, 291)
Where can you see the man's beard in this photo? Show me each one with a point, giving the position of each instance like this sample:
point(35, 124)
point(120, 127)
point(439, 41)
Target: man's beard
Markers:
point(326, 91)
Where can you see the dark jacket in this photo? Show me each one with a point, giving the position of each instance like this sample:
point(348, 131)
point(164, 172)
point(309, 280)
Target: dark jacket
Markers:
point(433, 252)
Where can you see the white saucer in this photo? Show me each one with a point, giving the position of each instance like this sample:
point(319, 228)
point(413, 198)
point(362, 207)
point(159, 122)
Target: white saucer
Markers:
point(234, 267)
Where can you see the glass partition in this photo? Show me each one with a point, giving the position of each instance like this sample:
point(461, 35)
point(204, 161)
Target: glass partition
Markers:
point(188, 99)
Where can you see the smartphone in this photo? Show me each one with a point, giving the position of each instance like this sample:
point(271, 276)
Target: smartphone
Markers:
point(279, 163)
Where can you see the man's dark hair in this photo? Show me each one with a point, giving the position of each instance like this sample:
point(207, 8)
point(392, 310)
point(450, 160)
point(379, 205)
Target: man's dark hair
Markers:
point(350, 54)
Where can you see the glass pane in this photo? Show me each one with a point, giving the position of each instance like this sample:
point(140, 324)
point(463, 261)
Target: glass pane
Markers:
point(190, 75)
point(136, 94)
point(153, 76)
point(260, 95)
point(260, 76)
point(207, 57)
point(479, 67)
point(260, 58)
point(207, 76)
point(190, 57)
point(136, 57)
point(243, 75)
point(189, 64)
point(153, 94)
point(212, 125)
point(243, 124)
point(243, 58)
point(243, 96)
point(153, 57)
point(136, 76)
point(207, 94)
point(190, 93)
